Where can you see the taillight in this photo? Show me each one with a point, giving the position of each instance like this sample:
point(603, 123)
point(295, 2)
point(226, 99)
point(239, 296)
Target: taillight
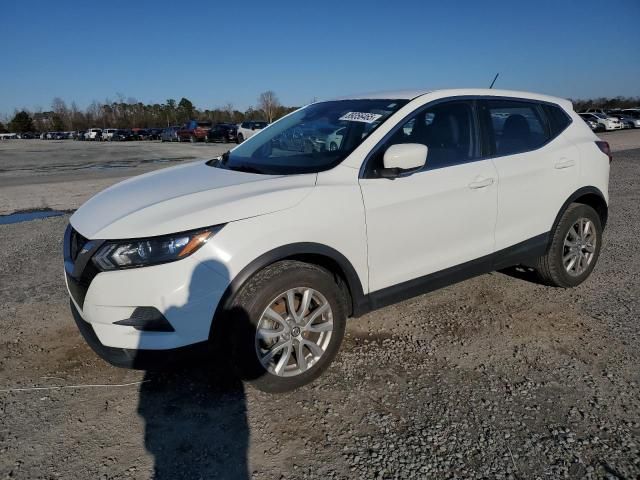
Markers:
point(604, 148)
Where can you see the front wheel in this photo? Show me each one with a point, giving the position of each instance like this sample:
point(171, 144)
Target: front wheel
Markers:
point(574, 248)
point(287, 322)
point(240, 138)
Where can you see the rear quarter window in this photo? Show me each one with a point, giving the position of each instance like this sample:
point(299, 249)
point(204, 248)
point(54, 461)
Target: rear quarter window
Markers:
point(516, 126)
point(557, 118)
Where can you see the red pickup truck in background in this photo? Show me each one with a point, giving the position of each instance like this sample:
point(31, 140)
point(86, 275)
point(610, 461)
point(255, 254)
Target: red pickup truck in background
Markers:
point(194, 131)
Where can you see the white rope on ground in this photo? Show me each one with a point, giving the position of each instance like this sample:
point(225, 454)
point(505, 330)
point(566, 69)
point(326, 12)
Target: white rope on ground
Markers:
point(61, 387)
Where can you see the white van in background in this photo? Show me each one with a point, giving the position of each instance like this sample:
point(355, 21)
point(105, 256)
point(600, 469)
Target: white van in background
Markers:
point(107, 133)
point(94, 134)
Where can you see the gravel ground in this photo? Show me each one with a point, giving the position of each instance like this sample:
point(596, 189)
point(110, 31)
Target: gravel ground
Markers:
point(496, 377)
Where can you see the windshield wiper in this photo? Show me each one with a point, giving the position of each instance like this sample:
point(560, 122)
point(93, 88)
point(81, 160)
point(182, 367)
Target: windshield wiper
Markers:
point(219, 161)
point(245, 168)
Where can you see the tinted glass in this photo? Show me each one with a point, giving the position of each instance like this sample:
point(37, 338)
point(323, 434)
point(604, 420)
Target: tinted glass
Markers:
point(446, 129)
point(312, 139)
point(557, 118)
point(516, 126)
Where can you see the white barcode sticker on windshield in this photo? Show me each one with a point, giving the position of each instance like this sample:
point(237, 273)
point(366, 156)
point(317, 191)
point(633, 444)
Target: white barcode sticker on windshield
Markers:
point(360, 117)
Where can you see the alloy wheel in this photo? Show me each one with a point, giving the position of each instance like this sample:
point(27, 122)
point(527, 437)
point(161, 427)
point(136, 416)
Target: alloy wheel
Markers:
point(579, 247)
point(294, 332)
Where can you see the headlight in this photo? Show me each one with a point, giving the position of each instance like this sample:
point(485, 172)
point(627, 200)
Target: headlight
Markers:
point(142, 252)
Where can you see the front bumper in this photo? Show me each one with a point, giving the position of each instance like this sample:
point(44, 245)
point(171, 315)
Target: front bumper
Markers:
point(185, 292)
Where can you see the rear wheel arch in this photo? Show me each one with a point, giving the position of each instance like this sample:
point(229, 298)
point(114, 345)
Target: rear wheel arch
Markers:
point(591, 196)
point(313, 253)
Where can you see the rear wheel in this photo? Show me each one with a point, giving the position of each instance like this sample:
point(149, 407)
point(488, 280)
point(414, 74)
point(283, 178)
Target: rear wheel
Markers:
point(240, 138)
point(574, 249)
point(287, 322)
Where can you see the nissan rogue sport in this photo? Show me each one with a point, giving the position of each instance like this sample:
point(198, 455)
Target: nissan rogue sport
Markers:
point(274, 248)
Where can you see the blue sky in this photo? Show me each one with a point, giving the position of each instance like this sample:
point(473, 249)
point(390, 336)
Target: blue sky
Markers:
point(230, 51)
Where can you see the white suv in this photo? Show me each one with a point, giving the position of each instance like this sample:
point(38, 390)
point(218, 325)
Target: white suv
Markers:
point(107, 133)
point(270, 249)
point(249, 129)
point(94, 134)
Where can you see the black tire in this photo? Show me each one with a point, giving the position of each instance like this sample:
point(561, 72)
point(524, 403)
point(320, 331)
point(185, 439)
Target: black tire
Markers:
point(254, 298)
point(550, 267)
point(240, 138)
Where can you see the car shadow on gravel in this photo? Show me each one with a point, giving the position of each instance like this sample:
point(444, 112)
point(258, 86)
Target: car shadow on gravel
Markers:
point(521, 272)
point(194, 408)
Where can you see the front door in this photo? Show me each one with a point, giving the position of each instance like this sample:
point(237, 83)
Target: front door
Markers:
point(439, 217)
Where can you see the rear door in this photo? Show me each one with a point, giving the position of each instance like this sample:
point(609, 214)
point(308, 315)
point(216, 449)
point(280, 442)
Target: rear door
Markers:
point(439, 217)
point(537, 167)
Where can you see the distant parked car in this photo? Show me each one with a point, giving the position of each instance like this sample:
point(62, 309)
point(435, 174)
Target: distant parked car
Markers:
point(194, 131)
point(154, 134)
point(633, 114)
point(334, 139)
point(107, 133)
point(626, 118)
point(248, 129)
point(94, 134)
point(593, 122)
point(80, 135)
point(609, 123)
point(140, 134)
point(56, 136)
point(223, 132)
point(121, 135)
point(170, 134)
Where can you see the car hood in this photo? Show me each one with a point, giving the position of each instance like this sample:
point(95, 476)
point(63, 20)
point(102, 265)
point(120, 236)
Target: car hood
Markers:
point(183, 198)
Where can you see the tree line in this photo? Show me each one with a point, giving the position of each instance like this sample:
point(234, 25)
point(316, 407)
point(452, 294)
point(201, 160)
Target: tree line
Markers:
point(131, 113)
point(606, 103)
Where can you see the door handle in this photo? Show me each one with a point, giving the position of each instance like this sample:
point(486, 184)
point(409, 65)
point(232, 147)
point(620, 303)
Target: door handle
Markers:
point(565, 163)
point(481, 183)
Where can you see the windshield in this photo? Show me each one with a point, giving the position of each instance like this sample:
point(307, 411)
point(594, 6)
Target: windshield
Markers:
point(312, 139)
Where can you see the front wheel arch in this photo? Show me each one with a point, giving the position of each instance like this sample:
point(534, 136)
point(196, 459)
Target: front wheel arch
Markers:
point(313, 253)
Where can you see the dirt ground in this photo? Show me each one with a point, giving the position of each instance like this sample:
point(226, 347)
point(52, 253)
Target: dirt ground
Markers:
point(495, 377)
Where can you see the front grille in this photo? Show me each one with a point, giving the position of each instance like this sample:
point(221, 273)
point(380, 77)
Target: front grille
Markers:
point(78, 266)
point(76, 244)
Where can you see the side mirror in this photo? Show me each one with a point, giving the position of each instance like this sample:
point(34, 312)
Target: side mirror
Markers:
point(402, 158)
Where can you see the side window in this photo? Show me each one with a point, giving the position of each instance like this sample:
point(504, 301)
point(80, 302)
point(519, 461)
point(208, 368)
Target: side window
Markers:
point(245, 125)
point(447, 129)
point(517, 126)
point(558, 119)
